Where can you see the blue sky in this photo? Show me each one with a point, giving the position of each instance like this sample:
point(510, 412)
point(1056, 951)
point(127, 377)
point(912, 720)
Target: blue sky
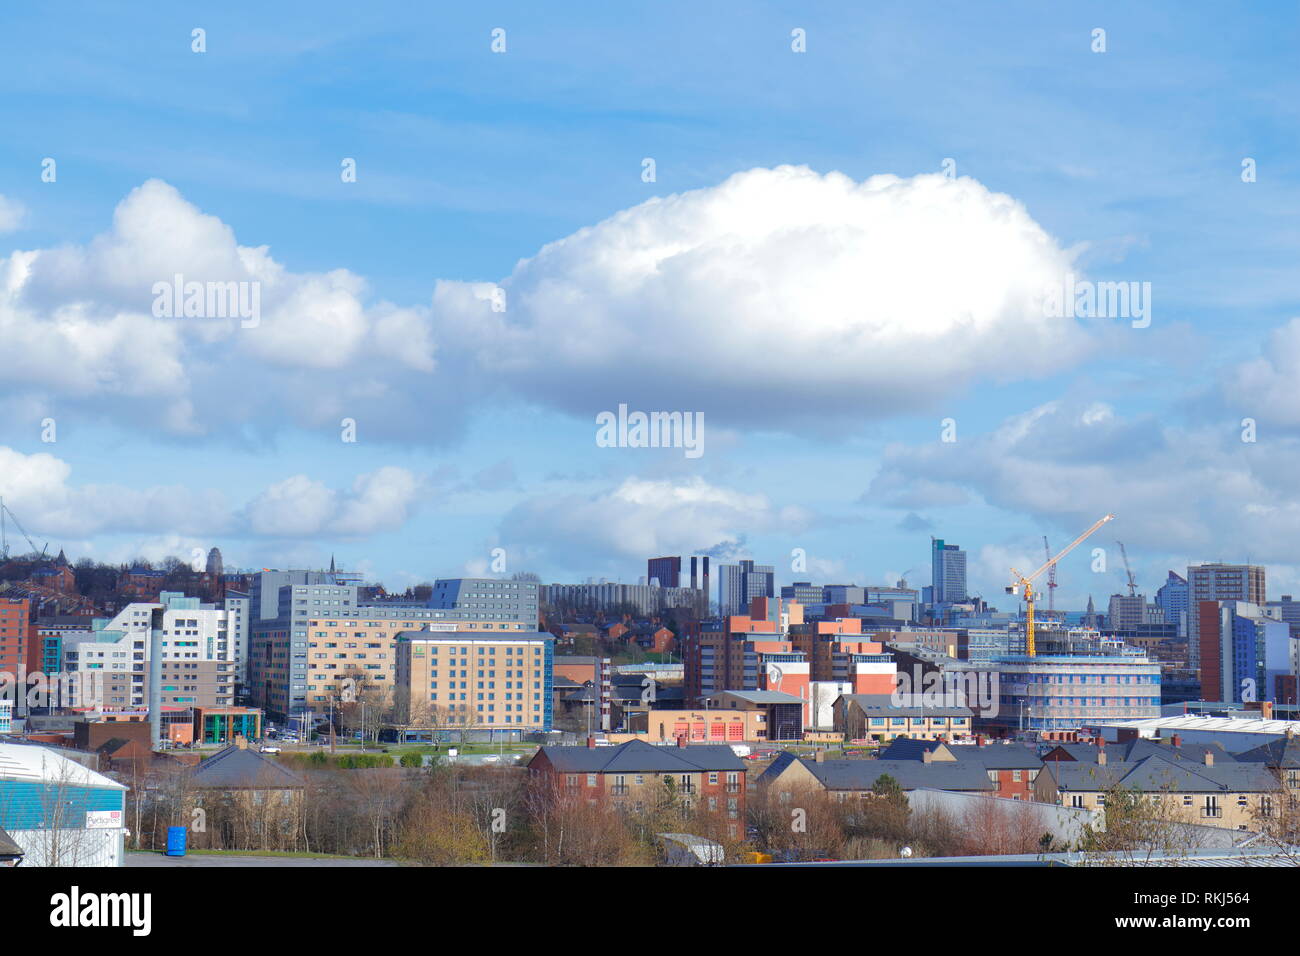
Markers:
point(820, 435)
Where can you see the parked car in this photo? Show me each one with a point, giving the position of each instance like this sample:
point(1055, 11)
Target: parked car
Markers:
point(268, 749)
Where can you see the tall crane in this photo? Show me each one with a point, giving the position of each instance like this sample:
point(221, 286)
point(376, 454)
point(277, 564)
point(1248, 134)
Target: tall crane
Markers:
point(1024, 583)
point(1132, 582)
point(4, 533)
point(1051, 576)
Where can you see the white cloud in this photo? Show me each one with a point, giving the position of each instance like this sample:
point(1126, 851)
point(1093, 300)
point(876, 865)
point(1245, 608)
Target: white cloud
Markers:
point(884, 295)
point(1195, 493)
point(639, 518)
point(39, 489)
point(12, 213)
point(382, 500)
point(1267, 388)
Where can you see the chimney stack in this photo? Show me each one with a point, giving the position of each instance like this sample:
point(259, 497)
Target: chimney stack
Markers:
point(1101, 753)
point(821, 756)
point(681, 740)
point(1209, 758)
point(979, 740)
point(591, 742)
point(1176, 740)
point(927, 756)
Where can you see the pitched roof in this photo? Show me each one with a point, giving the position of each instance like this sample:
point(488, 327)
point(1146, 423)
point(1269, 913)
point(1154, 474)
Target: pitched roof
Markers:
point(764, 696)
point(46, 765)
point(637, 756)
point(1133, 750)
point(1156, 772)
point(8, 848)
point(236, 768)
point(989, 757)
point(1282, 753)
point(910, 774)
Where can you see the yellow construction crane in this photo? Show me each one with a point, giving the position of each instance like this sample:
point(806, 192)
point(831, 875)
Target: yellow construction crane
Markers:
point(1020, 582)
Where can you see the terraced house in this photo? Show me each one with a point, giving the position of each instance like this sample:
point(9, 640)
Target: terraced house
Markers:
point(632, 776)
point(1201, 784)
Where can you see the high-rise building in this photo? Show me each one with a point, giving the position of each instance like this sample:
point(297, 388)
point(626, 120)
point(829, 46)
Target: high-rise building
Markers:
point(1172, 598)
point(476, 681)
point(1126, 611)
point(1244, 649)
point(739, 584)
point(1218, 582)
point(666, 571)
point(196, 666)
point(947, 572)
point(488, 599)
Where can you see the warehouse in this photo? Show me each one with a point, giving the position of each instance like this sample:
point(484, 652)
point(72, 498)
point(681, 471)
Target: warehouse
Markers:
point(59, 812)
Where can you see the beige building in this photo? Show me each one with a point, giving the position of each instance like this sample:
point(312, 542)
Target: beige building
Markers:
point(474, 680)
point(1208, 787)
point(879, 719)
point(712, 726)
point(358, 656)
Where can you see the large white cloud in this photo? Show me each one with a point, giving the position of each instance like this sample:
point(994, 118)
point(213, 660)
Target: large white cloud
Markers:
point(778, 294)
point(81, 333)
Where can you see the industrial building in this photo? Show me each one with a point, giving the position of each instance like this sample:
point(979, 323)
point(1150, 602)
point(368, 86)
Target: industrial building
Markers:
point(59, 812)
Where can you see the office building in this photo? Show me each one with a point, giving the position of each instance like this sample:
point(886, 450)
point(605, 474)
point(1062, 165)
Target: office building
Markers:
point(1172, 598)
point(488, 599)
point(666, 572)
point(1218, 582)
point(947, 572)
point(197, 665)
point(476, 681)
point(1243, 652)
point(739, 584)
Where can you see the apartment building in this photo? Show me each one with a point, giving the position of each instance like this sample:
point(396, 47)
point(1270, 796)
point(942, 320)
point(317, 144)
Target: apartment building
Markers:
point(197, 667)
point(476, 680)
point(488, 599)
point(740, 652)
point(1214, 790)
point(1244, 649)
point(790, 776)
point(1218, 582)
point(16, 636)
point(633, 776)
point(280, 667)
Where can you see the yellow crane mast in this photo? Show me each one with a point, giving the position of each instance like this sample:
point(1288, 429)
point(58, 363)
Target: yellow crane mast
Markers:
point(1021, 582)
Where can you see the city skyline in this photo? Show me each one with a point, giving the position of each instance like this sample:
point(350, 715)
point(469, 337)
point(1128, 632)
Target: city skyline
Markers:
point(825, 322)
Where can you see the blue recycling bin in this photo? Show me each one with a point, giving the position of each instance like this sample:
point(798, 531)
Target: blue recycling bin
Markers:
point(175, 841)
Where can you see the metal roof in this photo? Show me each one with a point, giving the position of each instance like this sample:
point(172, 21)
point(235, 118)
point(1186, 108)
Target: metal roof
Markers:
point(45, 765)
point(1249, 725)
point(637, 756)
